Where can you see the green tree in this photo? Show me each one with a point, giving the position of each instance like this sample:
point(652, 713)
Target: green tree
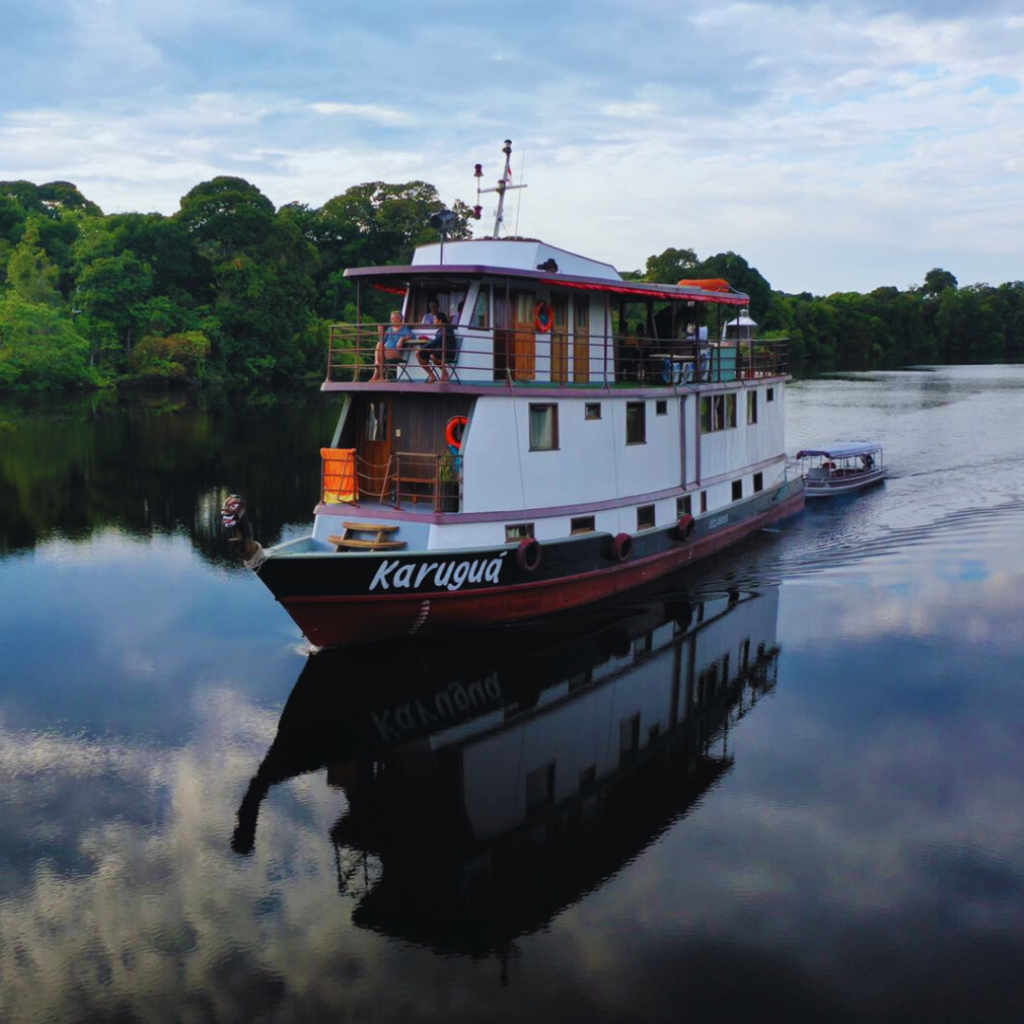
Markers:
point(225, 215)
point(30, 271)
point(372, 224)
point(741, 276)
point(937, 281)
point(261, 268)
point(39, 348)
point(671, 266)
point(109, 292)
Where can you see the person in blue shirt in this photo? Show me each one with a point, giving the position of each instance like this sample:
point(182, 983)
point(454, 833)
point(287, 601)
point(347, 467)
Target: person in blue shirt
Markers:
point(389, 348)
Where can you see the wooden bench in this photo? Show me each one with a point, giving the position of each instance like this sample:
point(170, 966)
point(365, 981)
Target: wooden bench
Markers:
point(414, 496)
point(378, 543)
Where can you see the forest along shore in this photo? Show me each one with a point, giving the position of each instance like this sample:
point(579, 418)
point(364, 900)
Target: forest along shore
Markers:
point(230, 289)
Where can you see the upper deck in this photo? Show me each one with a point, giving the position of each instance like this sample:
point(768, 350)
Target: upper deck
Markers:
point(526, 314)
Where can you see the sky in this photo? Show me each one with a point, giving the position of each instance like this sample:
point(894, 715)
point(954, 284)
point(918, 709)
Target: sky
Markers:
point(836, 146)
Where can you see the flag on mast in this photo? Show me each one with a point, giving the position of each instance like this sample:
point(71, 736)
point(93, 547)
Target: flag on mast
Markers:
point(507, 176)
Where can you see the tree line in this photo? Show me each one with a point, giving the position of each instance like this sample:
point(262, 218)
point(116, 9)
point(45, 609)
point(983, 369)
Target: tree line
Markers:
point(937, 320)
point(227, 289)
point(230, 289)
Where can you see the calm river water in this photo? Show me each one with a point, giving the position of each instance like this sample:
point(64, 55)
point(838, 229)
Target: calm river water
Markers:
point(788, 786)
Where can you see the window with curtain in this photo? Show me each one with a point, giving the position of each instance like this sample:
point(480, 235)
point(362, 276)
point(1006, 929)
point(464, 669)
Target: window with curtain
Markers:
point(543, 428)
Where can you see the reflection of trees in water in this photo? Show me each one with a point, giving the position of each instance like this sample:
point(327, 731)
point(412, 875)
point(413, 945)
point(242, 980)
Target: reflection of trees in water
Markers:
point(150, 464)
point(488, 791)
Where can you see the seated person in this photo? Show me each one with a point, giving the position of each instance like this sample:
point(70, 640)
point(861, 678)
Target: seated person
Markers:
point(432, 309)
point(389, 348)
point(439, 351)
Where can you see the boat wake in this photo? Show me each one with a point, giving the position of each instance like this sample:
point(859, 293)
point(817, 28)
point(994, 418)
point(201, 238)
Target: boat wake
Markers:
point(798, 548)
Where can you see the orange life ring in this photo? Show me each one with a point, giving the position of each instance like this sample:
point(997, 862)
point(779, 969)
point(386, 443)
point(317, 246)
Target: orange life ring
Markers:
point(454, 431)
point(543, 317)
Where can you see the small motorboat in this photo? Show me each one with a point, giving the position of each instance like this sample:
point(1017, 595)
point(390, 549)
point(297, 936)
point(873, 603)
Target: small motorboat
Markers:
point(840, 468)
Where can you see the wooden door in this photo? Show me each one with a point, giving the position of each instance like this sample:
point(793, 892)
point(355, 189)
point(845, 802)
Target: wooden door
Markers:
point(560, 338)
point(524, 339)
point(375, 445)
point(581, 338)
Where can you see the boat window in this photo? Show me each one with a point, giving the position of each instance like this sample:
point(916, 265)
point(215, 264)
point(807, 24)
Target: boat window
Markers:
point(454, 304)
point(581, 524)
point(518, 531)
point(770, 395)
point(703, 501)
point(377, 421)
point(645, 517)
point(717, 412)
point(684, 506)
point(758, 482)
point(592, 410)
point(737, 490)
point(751, 406)
point(419, 301)
point(448, 300)
point(543, 428)
point(636, 423)
point(482, 308)
point(661, 407)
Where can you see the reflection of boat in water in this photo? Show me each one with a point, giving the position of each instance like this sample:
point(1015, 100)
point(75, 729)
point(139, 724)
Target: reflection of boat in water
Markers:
point(486, 796)
point(841, 468)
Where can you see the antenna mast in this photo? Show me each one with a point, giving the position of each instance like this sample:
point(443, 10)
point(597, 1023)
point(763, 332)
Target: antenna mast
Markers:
point(504, 184)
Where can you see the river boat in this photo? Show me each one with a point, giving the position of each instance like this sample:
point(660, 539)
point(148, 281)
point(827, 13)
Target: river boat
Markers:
point(533, 455)
point(841, 467)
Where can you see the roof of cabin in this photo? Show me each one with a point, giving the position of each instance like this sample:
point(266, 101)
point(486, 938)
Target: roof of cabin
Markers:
point(522, 259)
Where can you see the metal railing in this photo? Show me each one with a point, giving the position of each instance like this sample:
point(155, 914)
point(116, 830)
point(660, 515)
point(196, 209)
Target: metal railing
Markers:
point(415, 477)
point(408, 478)
point(528, 358)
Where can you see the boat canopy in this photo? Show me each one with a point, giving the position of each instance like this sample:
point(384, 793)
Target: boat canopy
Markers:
point(842, 450)
point(396, 278)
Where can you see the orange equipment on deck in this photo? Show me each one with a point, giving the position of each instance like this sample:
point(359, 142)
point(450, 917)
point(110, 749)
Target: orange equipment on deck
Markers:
point(708, 284)
point(340, 481)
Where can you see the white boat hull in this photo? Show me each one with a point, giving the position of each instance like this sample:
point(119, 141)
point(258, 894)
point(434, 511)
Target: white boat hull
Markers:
point(842, 484)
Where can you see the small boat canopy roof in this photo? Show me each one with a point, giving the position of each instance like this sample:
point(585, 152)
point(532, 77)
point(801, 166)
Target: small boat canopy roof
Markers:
point(842, 449)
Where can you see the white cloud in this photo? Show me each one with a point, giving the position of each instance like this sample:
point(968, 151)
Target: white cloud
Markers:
point(365, 111)
point(823, 124)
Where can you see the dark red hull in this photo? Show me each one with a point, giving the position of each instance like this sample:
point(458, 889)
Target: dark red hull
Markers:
point(340, 620)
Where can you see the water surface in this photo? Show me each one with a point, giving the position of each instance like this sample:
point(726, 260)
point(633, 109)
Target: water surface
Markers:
point(786, 785)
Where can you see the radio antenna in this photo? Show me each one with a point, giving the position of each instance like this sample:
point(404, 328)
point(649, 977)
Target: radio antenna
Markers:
point(503, 186)
point(519, 205)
